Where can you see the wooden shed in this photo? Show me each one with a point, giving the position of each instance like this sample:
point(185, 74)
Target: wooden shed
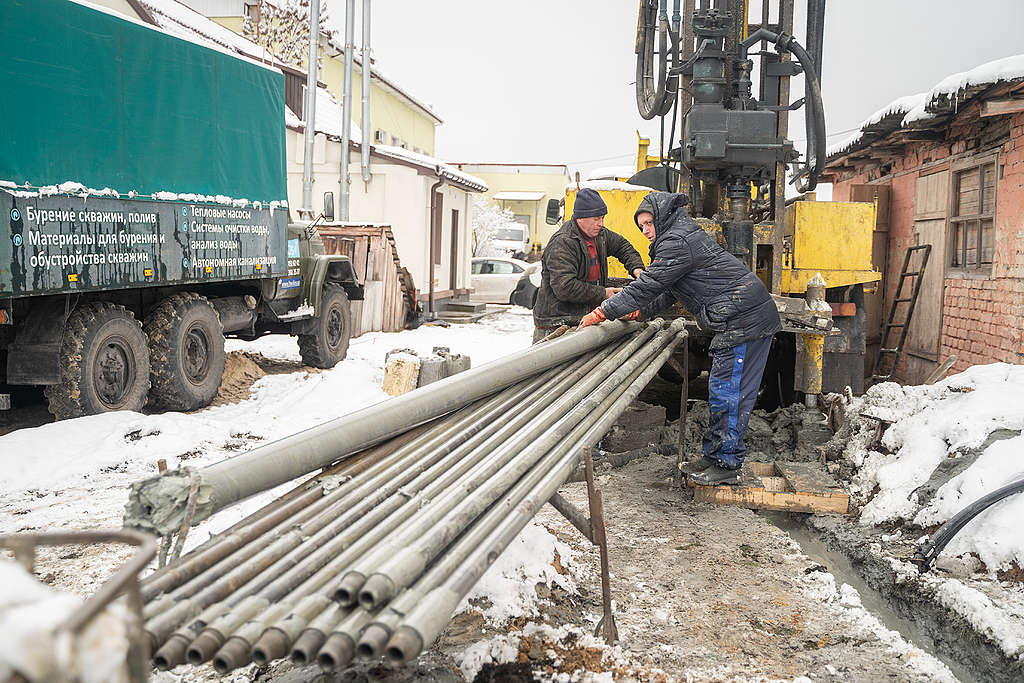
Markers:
point(389, 291)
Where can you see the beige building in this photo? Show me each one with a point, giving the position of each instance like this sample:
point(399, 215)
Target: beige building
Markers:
point(523, 189)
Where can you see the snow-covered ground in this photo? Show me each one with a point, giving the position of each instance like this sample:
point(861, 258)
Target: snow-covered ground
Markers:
point(75, 473)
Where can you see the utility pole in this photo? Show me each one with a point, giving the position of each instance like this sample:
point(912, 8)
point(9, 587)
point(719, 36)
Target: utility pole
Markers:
point(309, 107)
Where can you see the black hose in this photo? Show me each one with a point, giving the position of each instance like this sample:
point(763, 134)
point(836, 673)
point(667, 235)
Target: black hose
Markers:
point(815, 111)
point(924, 557)
point(656, 101)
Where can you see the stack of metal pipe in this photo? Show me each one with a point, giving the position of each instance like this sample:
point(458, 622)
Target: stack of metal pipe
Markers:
point(372, 557)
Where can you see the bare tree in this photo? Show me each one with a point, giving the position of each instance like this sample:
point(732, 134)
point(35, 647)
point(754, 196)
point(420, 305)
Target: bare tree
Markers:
point(282, 27)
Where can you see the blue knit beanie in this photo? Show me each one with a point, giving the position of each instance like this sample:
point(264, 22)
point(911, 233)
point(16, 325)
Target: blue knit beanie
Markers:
point(589, 204)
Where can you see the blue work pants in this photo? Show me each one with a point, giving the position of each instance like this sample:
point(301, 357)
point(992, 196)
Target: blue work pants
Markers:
point(732, 390)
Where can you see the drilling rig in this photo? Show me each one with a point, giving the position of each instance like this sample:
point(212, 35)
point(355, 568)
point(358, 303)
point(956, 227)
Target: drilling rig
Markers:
point(720, 84)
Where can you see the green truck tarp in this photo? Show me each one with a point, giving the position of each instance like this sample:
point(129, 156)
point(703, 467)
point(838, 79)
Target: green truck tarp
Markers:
point(107, 102)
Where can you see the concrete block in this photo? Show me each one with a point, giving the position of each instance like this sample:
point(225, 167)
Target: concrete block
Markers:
point(401, 373)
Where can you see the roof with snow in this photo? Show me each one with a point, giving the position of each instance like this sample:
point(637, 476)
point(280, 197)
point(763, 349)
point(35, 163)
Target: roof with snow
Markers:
point(519, 196)
point(612, 172)
point(177, 18)
point(933, 109)
point(440, 168)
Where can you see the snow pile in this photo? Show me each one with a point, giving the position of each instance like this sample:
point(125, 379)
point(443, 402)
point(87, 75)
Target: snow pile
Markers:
point(931, 424)
point(900, 106)
point(509, 585)
point(983, 615)
point(29, 614)
point(845, 602)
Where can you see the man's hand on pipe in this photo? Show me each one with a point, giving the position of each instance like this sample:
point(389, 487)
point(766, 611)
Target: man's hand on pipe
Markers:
point(634, 316)
point(592, 318)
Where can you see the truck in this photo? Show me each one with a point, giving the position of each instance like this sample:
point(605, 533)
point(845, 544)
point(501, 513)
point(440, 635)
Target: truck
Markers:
point(143, 186)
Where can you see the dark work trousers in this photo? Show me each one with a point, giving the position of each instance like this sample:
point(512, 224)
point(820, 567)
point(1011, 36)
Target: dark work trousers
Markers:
point(732, 389)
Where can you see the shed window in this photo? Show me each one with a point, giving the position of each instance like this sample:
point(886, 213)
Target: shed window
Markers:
point(972, 218)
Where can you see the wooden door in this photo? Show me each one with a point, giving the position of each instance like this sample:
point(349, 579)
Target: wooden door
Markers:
point(925, 334)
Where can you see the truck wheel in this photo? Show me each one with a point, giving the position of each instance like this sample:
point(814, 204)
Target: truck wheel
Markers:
point(329, 343)
point(186, 351)
point(104, 363)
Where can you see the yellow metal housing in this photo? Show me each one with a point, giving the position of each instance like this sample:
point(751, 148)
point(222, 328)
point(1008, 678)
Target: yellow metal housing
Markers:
point(831, 238)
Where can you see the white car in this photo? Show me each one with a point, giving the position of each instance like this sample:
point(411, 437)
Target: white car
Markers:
point(513, 241)
point(495, 278)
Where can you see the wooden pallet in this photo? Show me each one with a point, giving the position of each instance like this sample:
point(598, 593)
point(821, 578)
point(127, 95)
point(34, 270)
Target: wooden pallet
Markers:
point(785, 486)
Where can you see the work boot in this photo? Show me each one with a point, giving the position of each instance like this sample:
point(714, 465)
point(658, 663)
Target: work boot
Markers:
point(695, 466)
point(715, 475)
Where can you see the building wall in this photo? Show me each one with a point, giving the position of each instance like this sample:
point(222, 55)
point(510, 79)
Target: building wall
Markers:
point(374, 202)
point(551, 182)
point(982, 315)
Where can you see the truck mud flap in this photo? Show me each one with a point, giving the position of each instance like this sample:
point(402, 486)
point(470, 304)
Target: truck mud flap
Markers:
point(34, 357)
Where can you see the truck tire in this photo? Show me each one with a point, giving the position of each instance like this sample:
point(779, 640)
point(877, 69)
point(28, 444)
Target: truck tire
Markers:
point(186, 352)
point(104, 363)
point(329, 343)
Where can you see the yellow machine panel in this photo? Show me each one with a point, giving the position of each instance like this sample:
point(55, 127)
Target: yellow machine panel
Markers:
point(831, 238)
point(622, 204)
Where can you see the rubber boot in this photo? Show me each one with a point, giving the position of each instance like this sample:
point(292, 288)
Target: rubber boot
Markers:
point(715, 476)
point(695, 466)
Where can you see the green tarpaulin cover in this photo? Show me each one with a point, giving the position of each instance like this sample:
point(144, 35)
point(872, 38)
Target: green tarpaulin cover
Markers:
point(91, 98)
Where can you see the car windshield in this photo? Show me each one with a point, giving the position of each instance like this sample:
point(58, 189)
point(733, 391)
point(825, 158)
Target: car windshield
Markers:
point(511, 234)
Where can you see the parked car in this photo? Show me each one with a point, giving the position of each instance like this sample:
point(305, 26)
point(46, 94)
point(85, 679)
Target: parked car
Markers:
point(525, 293)
point(514, 241)
point(496, 278)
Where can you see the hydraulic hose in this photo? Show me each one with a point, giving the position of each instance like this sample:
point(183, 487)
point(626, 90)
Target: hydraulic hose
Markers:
point(656, 100)
point(814, 114)
point(924, 557)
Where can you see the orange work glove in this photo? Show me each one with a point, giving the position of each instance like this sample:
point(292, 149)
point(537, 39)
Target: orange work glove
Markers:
point(634, 316)
point(592, 318)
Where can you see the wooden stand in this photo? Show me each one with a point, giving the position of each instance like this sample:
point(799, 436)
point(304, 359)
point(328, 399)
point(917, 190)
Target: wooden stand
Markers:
point(785, 486)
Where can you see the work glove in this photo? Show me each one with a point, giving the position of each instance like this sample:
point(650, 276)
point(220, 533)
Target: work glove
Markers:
point(592, 318)
point(634, 316)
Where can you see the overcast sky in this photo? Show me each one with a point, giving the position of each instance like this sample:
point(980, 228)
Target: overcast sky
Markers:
point(551, 80)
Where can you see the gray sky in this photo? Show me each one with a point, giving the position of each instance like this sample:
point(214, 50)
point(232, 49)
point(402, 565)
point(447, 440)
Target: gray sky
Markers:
point(551, 81)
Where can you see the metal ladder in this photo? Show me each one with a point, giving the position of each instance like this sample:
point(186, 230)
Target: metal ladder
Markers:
point(905, 274)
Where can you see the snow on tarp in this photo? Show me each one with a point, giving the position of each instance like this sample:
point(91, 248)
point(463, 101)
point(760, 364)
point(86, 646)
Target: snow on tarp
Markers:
point(432, 163)
point(611, 173)
point(950, 419)
point(915, 107)
point(608, 186)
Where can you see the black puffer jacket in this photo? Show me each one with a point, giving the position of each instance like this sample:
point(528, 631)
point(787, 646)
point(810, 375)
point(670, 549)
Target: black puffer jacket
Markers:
point(565, 296)
point(689, 266)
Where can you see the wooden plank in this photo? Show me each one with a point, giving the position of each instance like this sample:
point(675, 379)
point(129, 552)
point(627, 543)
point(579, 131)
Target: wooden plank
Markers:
point(803, 477)
point(763, 499)
point(1001, 107)
point(359, 258)
point(357, 318)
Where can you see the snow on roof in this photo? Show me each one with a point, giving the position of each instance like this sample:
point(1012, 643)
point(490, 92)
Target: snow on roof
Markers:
point(185, 22)
point(440, 167)
point(915, 108)
point(519, 196)
point(611, 173)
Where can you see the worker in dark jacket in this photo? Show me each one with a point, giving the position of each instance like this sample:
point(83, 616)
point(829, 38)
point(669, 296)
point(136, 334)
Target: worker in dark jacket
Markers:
point(688, 266)
point(574, 277)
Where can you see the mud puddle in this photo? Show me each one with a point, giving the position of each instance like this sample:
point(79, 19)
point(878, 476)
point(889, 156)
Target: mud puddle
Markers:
point(842, 568)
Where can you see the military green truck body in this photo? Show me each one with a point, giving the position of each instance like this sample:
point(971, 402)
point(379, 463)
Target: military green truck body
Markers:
point(143, 192)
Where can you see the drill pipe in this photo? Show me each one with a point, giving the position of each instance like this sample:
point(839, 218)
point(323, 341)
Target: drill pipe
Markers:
point(429, 617)
point(214, 634)
point(290, 543)
point(371, 528)
point(434, 530)
point(348, 589)
point(158, 504)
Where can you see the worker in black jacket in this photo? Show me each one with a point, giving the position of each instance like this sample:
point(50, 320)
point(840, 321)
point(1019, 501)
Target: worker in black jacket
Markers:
point(688, 266)
point(574, 276)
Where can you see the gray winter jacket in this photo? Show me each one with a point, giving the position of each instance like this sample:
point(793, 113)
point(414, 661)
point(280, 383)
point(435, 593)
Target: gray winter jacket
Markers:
point(688, 266)
point(565, 296)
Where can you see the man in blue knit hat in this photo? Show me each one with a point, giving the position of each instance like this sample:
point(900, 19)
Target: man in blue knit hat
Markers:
point(574, 277)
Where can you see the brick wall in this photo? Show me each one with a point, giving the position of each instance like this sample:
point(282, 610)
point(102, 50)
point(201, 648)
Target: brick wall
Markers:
point(982, 318)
